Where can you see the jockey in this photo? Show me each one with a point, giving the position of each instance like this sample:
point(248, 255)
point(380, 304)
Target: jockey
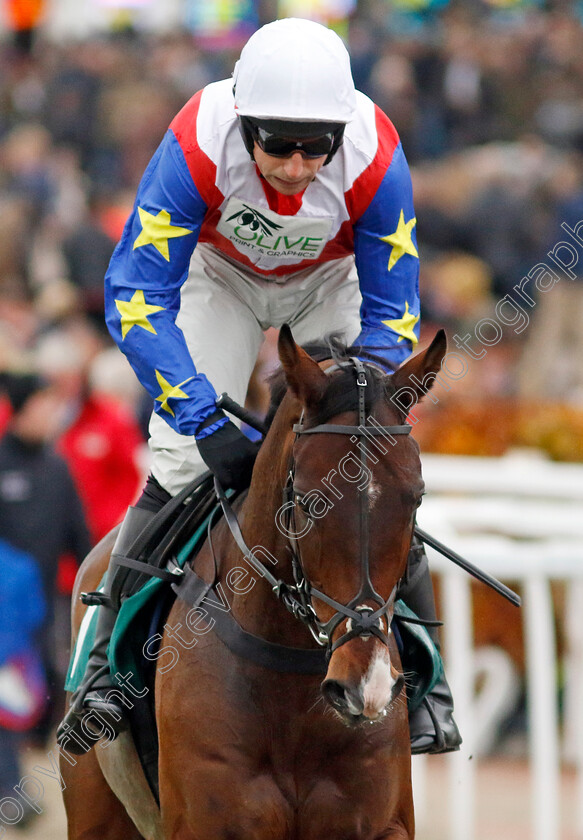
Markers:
point(281, 195)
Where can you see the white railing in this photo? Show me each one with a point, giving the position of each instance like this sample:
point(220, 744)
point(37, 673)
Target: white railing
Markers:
point(520, 518)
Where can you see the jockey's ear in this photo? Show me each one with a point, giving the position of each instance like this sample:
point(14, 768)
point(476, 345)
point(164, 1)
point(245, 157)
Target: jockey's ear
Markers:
point(416, 376)
point(303, 375)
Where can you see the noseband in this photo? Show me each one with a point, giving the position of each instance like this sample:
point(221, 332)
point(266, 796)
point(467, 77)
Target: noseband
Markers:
point(363, 620)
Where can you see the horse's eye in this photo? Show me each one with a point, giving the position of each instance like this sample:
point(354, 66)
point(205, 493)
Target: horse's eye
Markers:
point(301, 503)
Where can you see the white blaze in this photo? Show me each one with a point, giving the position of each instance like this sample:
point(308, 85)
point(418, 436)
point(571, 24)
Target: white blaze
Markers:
point(378, 683)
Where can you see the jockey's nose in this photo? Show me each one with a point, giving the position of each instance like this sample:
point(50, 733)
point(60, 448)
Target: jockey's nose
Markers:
point(294, 165)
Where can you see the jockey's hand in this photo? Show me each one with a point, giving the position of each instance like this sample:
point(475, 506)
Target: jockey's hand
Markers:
point(228, 453)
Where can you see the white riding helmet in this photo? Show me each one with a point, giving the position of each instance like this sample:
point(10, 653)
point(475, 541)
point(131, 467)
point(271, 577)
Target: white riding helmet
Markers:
point(297, 70)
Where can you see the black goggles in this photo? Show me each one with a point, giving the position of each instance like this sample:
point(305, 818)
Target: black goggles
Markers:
point(278, 146)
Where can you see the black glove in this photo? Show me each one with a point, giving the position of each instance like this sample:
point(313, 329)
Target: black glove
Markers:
point(228, 453)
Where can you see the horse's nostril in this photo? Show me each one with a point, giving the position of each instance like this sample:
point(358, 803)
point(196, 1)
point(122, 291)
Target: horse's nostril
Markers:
point(340, 696)
point(334, 693)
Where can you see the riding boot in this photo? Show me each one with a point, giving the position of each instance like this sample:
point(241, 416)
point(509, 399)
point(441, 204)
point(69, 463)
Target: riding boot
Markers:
point(97, 692)
point(431, 725)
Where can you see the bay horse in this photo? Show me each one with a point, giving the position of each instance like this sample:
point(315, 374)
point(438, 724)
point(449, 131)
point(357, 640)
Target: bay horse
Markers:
point(253, 751)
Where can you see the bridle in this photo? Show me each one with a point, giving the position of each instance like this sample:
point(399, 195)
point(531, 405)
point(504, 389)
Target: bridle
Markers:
point(363, 620)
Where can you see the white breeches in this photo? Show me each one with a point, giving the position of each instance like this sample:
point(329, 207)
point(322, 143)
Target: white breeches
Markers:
point(225, 309)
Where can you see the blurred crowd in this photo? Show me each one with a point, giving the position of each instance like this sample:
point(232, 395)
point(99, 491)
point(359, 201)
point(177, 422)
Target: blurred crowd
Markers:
point(489, 105)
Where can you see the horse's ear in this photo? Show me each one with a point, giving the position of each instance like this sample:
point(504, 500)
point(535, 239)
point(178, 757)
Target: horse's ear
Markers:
point(416, 376)
point(303, 375)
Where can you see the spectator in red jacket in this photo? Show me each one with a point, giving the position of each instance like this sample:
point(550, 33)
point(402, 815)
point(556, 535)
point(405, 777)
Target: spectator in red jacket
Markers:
point(102, 442)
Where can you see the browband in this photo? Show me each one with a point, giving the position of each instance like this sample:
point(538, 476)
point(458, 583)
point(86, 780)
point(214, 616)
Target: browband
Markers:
point(331, 428)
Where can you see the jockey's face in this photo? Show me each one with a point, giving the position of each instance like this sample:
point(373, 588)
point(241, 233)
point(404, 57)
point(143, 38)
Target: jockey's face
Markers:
point(288, 175)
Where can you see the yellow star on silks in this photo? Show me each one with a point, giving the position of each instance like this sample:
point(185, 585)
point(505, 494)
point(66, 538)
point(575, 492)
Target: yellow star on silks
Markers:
point(401, 240)
point(170, 392)
point(404, 326)
point(134, 313)
point(157, 230)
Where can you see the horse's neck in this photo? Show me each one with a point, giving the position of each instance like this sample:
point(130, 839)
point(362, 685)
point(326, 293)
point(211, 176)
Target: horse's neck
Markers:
point(255, 605)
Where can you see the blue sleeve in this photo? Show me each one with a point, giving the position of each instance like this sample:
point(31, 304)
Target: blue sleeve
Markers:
point(142, 289)
point(385, 248)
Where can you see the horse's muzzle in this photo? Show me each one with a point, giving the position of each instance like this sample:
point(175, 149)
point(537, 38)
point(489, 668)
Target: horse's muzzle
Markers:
point(351, 704)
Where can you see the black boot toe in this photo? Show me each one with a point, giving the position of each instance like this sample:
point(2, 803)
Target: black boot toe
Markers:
point(111, 713)
point(433, 729)
point(71, 735)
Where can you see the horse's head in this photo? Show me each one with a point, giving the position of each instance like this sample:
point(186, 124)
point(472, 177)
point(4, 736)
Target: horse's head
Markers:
point(353, 487)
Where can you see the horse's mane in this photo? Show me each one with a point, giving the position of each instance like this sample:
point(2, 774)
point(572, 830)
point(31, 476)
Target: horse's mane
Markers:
point(341, 394)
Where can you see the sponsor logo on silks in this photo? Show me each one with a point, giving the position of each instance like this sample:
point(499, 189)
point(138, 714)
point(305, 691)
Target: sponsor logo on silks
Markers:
point(260, 233)
point(254, 220)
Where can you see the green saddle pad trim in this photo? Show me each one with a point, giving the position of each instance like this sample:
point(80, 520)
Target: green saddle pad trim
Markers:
point(82, 648)
point(129, 637)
